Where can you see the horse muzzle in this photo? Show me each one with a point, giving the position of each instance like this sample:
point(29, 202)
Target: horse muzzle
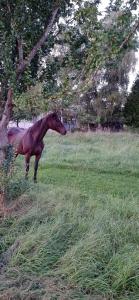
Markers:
point(64, 132)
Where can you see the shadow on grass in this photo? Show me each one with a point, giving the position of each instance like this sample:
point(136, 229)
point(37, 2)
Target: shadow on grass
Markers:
point(127, 173)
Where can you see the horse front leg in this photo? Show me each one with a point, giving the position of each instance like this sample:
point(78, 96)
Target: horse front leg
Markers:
point(27, 161)
point(37, 158)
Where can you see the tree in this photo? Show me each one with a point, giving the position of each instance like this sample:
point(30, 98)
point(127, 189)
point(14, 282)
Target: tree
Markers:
point(97, 55)
point(25, 27)
point(29, 104)
point(131, 110)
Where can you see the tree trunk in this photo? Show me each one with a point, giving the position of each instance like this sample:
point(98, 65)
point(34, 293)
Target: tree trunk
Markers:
point(3, 126)
point(23, 64)
point(4, 147)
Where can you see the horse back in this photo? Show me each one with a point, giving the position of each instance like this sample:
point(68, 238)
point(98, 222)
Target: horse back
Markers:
point(15, 134)
point(15, 130)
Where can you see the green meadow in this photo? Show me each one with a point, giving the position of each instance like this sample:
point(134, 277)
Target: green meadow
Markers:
point(74, 234)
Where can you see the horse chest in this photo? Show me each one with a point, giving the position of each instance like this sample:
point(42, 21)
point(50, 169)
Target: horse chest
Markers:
point(32, 148)
point(38, 149)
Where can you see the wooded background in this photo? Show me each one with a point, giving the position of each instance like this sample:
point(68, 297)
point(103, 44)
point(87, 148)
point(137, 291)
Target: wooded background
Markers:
point(66, 56)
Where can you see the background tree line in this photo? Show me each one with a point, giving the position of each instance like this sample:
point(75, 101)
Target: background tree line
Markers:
point(82, 70)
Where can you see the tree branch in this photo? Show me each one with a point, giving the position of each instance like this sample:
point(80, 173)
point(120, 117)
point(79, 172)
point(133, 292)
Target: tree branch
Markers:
point(25, 63)
point(129, 35)
point(20, 50)
point(3, 126)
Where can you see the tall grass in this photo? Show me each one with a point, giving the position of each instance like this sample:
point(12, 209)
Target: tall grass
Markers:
point(80, 228)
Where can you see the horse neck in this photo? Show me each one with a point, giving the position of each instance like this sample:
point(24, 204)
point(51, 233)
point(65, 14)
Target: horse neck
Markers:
point(40, 128)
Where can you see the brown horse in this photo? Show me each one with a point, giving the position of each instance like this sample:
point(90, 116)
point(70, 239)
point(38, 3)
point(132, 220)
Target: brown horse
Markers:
point(29, 141)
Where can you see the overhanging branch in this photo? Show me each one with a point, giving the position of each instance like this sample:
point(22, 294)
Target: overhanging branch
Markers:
point(129, 35)
point(25, 63)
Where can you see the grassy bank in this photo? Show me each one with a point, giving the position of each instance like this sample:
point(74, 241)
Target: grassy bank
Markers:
point(75, 235)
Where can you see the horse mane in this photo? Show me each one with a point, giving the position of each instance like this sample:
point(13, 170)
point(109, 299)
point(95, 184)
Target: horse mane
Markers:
point(38, 123)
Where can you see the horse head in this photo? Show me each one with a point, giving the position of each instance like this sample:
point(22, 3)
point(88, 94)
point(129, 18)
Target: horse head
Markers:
point(55, 123)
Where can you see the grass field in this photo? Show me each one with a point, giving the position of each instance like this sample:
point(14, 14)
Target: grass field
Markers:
point(75, 235)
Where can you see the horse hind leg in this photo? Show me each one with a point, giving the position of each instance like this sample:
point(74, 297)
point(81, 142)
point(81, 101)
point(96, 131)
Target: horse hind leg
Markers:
point(27, 161)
